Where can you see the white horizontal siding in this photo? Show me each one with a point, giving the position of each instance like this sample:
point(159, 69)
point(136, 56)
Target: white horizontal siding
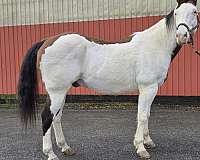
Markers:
point(25, 12)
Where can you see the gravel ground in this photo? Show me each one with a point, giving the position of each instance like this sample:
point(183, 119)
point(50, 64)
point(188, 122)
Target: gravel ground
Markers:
point(106, 135)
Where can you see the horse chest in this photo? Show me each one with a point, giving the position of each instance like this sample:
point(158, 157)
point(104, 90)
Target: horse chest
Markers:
point(162, 69)
point(152, 67)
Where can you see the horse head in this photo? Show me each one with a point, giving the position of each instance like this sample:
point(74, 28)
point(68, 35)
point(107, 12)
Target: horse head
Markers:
point(186, 21)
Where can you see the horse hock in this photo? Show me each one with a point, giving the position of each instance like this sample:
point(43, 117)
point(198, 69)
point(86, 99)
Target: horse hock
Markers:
point(47, 119)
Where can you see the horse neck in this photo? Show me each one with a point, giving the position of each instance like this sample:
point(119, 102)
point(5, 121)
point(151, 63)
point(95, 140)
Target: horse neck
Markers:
point(162, 36)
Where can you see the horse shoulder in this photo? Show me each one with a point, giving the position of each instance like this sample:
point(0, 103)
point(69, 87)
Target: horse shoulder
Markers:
point(152, 67)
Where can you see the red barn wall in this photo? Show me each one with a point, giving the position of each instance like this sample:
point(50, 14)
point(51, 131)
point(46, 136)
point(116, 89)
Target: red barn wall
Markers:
point(184, 72)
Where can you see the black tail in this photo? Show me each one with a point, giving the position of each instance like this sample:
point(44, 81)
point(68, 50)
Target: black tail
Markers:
point(27, 85)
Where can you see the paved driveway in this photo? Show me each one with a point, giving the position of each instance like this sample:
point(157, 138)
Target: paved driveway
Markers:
point(106, 135)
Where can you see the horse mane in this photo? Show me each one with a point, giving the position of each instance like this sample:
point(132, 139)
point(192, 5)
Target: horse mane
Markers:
point(169, 19)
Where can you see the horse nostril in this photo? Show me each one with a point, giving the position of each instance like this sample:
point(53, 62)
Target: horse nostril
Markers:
point(185, 35)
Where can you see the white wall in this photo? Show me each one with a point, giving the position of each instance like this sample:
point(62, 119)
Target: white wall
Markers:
point(22, 12)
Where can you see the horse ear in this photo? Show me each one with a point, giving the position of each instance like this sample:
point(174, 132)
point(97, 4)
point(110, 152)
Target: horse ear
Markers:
point(182, 1)
point(187, 1)
point(194, 2)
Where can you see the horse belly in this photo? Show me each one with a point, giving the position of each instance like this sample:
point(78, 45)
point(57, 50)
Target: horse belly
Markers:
point(109, 87)
point(111, 74)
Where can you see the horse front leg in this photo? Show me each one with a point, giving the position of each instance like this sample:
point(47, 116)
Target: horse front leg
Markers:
point(148, 142)
point(60, 139)
point(146, 95)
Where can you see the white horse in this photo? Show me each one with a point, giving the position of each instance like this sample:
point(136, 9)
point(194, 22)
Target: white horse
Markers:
point(138, 64)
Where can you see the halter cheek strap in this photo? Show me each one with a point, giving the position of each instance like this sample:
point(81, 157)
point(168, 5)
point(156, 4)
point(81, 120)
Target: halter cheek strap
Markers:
point(196, 27)
point(185, 25)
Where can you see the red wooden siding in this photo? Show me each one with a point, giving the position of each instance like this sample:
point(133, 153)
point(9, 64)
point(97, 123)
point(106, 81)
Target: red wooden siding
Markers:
point(184, 73)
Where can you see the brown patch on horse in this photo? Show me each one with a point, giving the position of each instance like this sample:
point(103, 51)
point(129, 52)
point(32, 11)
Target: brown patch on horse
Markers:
point(47, 42)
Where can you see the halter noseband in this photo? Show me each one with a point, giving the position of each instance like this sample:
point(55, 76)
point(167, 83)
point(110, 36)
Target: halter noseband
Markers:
point(188, 28)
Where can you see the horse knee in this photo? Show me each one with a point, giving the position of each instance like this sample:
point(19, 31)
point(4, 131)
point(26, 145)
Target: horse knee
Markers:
point(47, 119)
point(142, 117)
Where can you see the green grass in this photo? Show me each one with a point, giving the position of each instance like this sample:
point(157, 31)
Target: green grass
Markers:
point(112, 105)
point(8, 106)
point(86, 106)
point(89, 106)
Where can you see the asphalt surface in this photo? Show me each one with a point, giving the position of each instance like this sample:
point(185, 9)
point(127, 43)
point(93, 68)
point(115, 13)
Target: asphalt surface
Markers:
point(106, 135)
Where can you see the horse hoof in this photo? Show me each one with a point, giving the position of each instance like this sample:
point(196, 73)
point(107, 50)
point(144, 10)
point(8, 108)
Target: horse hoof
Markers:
point(144, 155)
point(68, 152)
point(55, 158)
point(150, 145)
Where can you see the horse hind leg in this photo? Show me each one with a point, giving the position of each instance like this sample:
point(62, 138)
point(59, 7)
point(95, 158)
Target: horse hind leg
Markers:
point(47, 146)
point(60, 139)
point(48, 115)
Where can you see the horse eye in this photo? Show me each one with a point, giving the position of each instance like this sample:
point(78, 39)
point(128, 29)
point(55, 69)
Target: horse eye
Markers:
point(195, 12)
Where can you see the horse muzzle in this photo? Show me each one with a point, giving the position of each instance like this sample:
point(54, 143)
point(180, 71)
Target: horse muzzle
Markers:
point(183, 36)
point(183, 40)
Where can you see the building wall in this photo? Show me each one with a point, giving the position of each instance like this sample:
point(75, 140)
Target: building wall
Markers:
point(23, 22)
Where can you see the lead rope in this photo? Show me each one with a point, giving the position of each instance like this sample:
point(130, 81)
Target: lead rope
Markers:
point(193, 48)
